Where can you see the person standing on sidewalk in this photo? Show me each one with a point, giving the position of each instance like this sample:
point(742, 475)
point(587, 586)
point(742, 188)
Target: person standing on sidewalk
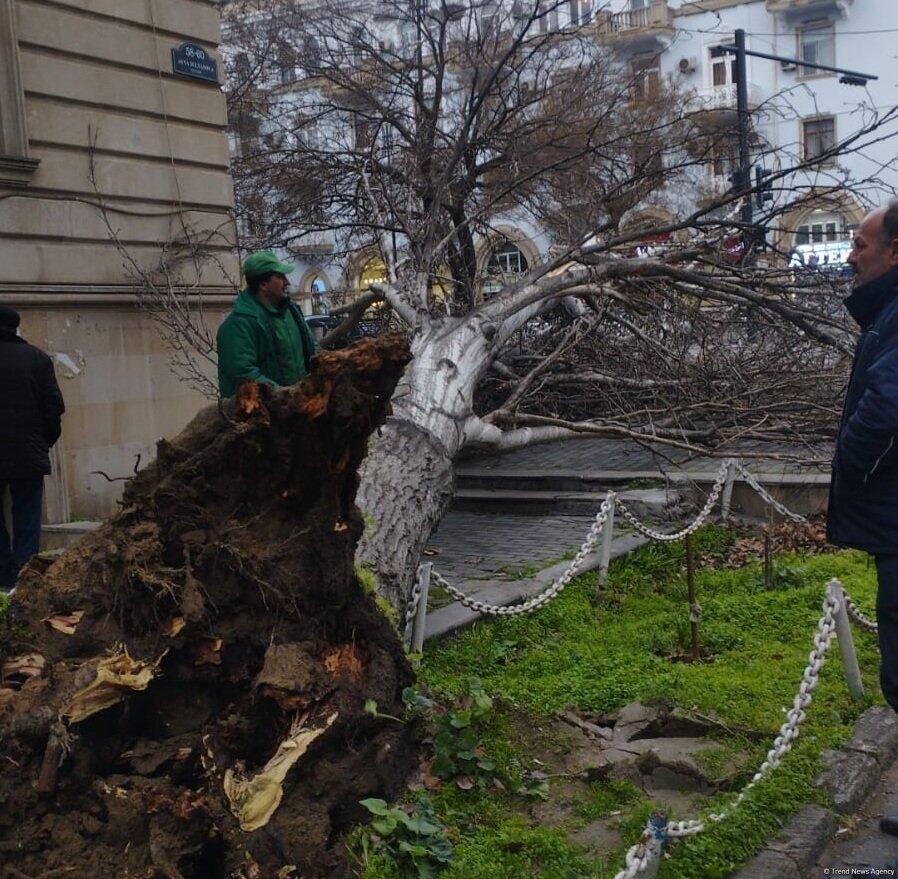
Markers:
point(31, 407)
point(265, 338)
point(863, 499)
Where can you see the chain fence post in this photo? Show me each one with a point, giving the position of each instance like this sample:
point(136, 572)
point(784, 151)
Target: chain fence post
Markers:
point(605, 549)
point(656, 826)
point(417, 643)
point(726, 499)
point(846, 641)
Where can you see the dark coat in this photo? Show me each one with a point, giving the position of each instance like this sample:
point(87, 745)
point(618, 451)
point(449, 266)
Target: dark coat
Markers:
point(30, 408)
point(863, 500)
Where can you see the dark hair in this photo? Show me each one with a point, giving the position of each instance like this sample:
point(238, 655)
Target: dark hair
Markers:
point(256, 281)
point(889, 230)
point(9, 317)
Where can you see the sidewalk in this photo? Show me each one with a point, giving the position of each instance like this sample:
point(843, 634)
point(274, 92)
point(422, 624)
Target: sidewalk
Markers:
point(863, 850)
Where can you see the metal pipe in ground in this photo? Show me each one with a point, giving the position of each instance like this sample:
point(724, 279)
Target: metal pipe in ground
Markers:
point(605, 550)
point(695, 653)
point(726, 499)
point(417, 644)
point(846, 642)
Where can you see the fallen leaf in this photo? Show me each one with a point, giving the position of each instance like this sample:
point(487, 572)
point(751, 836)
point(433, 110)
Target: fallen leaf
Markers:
point(254, 800)
point(116, 676)
point(65, 623)
point(340, 527)
point(464, 782)
point(287, 871)
point(174, 626)
point(431, 552)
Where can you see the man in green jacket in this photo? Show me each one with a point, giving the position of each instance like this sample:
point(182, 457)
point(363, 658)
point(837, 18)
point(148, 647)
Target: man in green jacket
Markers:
point(265, 338)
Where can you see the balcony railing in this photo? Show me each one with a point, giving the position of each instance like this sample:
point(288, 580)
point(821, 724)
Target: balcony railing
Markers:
point(633, 22)
point(722, 98)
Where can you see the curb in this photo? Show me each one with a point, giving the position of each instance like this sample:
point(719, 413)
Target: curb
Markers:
point(851, 774)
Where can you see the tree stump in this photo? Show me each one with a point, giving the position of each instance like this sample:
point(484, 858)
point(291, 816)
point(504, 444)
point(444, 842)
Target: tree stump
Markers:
point(183, 692)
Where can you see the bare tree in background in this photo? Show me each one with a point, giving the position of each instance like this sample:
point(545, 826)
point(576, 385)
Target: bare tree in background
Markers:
point(415, 128)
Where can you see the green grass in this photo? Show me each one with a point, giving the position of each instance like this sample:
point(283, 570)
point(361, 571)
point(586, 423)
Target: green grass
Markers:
point(599, 657)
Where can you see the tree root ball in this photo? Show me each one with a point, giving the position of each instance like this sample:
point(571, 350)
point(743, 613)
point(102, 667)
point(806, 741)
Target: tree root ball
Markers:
point(183, 692)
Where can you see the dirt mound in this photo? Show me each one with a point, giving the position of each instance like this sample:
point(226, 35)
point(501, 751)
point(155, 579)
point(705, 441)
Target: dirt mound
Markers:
point(183, 693)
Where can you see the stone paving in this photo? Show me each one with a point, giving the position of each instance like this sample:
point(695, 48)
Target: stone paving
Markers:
point(862, 850)
point(480, 546)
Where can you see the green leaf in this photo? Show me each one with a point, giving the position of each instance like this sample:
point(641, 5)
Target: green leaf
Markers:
point(375, 806)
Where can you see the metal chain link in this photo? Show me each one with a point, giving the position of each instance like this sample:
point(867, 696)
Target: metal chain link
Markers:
point(592, 538)
point(412, 609)
point(642, 528)
point(863, 621)
point(782, 510)
point(640, 855)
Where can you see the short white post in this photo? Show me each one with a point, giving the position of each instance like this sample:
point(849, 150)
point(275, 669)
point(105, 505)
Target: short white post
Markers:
point(726, 498)
point(846, 642)
point(417, 644)
point(656, 826)
point(605, 549)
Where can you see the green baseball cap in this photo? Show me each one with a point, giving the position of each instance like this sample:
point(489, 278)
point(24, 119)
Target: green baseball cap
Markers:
point(262, 263)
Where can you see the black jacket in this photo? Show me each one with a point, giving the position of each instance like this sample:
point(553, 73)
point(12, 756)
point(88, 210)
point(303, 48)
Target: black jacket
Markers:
point(30, 408)
point(863, 499)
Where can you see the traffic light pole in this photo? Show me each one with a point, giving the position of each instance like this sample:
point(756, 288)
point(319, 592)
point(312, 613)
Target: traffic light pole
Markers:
point(744, 184)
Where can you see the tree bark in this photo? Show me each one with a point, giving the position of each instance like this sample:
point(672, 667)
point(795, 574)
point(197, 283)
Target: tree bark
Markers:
point(407, 480)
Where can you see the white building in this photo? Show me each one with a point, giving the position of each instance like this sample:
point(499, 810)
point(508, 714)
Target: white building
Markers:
point(797, 114)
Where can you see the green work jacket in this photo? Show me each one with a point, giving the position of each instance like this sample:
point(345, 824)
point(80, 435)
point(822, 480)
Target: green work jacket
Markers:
point(255, 342)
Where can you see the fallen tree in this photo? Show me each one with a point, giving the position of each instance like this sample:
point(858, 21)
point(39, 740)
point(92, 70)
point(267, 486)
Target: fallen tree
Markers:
point(201, 688)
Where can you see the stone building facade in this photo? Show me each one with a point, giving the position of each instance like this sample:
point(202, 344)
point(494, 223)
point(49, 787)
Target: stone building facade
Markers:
point(107, 157)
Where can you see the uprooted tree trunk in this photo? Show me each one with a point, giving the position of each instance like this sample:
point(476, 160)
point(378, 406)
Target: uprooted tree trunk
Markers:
point(184, 692)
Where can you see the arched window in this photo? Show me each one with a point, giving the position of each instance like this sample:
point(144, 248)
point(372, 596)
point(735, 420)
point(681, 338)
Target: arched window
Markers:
point(317, 287)
point(506, 263)
point(373, 272)
point(822, 241)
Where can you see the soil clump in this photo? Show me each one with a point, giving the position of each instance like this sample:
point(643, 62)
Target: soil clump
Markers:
point(183, 692)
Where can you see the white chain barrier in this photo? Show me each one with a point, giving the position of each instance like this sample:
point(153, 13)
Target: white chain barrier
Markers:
point(592, 538)
point(700, 520)
point(863, 621)
point(643, 852)
point(782, 510)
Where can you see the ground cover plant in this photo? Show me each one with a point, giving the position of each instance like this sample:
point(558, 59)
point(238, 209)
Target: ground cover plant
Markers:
point(589, 658)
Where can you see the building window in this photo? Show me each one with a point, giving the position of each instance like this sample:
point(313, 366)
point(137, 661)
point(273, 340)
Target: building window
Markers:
point(548, 21)
point(819, 137)
point(506, 263)
point(373, 272)
point(817, 45)
point(489, 21)
point(285, 59)
point(581, 11)
point(364, 131)
point(318, 291)
point(723, 69)
point(724, 157)
point(646, 71)
point(822, 242)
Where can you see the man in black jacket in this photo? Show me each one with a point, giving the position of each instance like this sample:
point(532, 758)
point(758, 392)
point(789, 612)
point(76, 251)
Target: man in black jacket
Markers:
point(30, 409)
point(863, 500)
